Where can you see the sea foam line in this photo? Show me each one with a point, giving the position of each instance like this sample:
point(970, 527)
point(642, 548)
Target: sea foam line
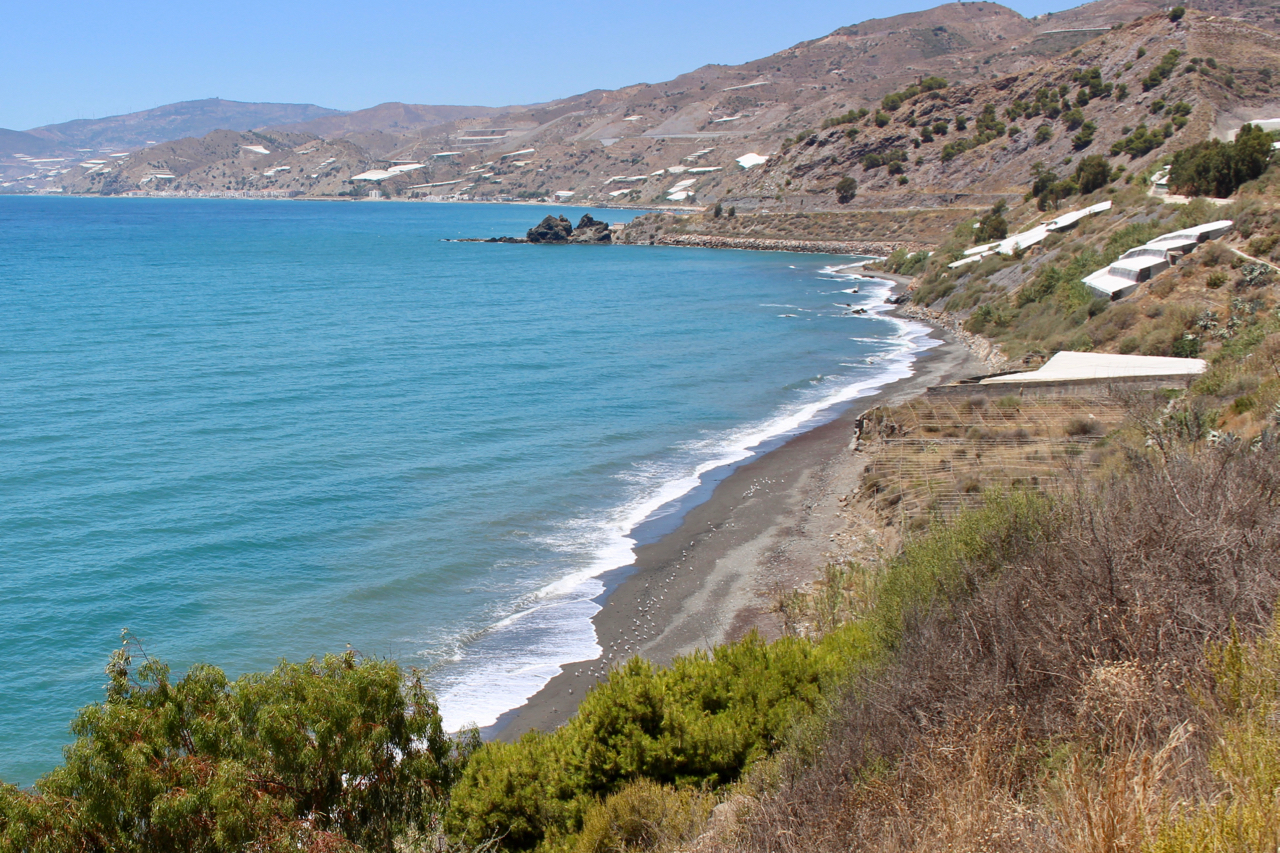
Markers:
point(513, 659)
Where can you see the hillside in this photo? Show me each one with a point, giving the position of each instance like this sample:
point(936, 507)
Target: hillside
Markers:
point(937, 149)
point(270, 164)
point(627, 146)
point(60, 148)
point(389, 121)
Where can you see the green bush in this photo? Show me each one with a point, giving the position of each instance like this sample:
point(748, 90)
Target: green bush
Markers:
point(643, 816)
point(847, 118)
point(993, 226)
point(876, 159)
point(701, 721)
point(1187, 346)
point(1084, 138)
point(894, 100)
point(1216, 168)
point(1138, 143)
point(1162, 71)
point(943, 563)
point(1130, 236)
point(346, 750)
point(846, 189)
point(1092, 173)
point(1246, 761)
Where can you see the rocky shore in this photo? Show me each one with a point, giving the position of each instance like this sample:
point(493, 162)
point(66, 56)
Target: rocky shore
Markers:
point(986, 351)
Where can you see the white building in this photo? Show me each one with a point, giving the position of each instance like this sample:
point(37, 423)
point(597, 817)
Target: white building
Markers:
point(1071, 366)
point(1150, 259)
point(1027, 239)
point(1123, 277)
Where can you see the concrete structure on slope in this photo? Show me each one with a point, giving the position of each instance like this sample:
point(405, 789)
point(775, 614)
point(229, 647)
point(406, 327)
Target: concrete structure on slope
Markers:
point(1029, 238)
point(1201, 233)
point(1123, 277)
point(1150, 259)
point(1078, 366)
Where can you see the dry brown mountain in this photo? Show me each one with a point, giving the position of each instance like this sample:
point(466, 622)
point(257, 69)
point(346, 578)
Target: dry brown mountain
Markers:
point(677, 143)
point(392, 119)
point(922, 158)
point(255, 163)
point(18, 142)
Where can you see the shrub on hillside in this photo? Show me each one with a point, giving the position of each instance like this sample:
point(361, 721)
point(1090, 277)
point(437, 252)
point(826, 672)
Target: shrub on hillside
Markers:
point(1053, 691)
point(1092, 173)
point(993, 226)
point(846, 189)
point(847, 118)
point(1216, 168)
point(1162, 71)
point(1138, 143)
point(1084, 138)
point(700, 722)
point(905, 263)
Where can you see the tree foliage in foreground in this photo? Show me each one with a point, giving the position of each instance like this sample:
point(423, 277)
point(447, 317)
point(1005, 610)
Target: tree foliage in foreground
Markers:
point(323, 755)
point(699, 723)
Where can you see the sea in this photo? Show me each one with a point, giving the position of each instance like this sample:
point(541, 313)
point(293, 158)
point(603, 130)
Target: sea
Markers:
point(252, 430)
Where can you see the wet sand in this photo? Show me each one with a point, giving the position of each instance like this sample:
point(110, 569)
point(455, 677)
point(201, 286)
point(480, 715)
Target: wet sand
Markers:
point(769, 527)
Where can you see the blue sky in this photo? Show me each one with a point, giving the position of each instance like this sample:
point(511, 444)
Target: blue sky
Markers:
point(72, 60)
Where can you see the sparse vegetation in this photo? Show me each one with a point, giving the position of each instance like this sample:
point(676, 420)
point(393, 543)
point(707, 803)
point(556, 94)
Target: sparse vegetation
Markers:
point(1138, 143)
point(1162, 71)
point(847, 118)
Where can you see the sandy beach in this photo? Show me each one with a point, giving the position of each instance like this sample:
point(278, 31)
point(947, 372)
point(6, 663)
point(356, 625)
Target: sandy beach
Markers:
point(769, 527)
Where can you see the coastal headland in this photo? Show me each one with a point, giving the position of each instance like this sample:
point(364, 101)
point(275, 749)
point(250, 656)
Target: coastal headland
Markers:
point(767, 528)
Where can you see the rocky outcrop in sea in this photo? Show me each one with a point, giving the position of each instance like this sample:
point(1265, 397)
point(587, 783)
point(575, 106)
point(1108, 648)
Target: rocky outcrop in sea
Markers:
point(552, 229)
point(557, 230)
point(591, 230)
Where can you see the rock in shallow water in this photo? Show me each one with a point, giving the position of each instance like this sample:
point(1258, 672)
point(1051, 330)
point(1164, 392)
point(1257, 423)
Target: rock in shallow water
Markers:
point(591, 230)
point(552, 229)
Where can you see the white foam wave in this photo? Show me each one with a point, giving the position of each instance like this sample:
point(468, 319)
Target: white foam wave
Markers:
point(554, 627)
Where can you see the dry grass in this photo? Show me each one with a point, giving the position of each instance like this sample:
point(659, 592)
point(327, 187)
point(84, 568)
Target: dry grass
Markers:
point(937, 455)
point(1051, 706)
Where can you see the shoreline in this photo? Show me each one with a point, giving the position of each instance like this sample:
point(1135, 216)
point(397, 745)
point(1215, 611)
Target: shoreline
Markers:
point(769, 526)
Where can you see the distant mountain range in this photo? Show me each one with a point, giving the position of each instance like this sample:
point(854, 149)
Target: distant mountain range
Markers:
point(173, 121)
point(161, 124)
point(613, 146)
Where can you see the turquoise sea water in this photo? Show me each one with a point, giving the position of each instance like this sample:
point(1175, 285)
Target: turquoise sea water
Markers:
point(253, 430)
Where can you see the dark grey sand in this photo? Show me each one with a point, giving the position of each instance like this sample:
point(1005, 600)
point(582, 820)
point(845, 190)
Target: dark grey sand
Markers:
point(770, 526)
